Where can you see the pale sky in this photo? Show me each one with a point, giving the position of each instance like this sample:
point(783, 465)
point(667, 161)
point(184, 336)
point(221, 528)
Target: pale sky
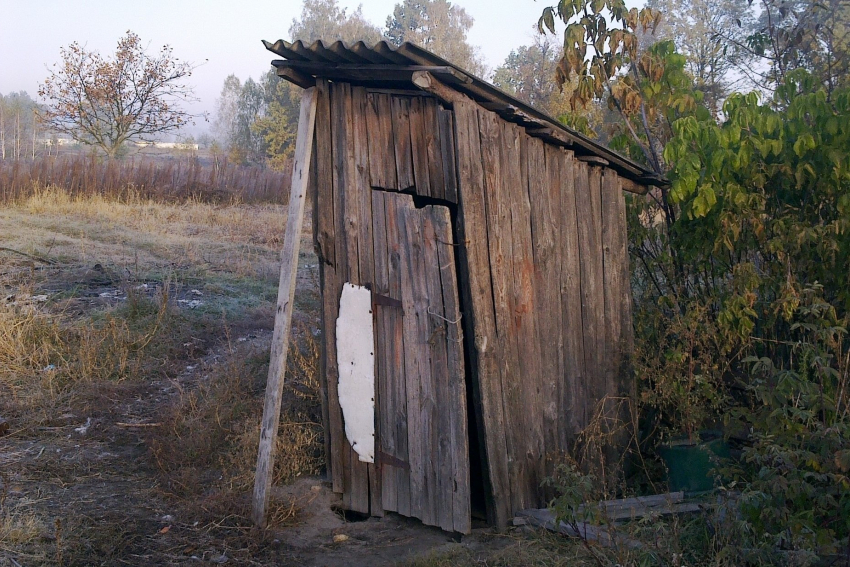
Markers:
point(223, 35)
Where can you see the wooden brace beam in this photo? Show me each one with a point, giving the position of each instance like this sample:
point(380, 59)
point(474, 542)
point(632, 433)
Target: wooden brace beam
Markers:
point(285, 302)
point(428, 83)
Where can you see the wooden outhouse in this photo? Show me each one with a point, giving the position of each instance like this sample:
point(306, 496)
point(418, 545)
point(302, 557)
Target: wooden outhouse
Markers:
point(490, 241)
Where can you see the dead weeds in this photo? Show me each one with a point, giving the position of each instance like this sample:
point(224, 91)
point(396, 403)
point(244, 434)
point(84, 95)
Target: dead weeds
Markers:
point(132, 379)
point(206, 449)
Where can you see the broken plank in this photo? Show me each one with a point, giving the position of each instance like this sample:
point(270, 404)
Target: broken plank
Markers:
point(396, 372)
point(606, 536)
point(417, 362)
point(459, 436)
point(436, 172)
point(447, 153)
point(440, 454)
point(382, 167)
point(384, 401)
point(402, 142)
point(419, 146)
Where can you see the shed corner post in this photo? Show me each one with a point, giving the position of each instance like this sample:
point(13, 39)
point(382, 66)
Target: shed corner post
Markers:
point(285, 300)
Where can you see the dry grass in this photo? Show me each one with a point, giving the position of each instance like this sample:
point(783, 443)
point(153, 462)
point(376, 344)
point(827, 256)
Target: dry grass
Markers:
point(160, 179)
point(529, 548)
point(46, 357)
point(207, 448)
point(19, 526)
point(96, 327)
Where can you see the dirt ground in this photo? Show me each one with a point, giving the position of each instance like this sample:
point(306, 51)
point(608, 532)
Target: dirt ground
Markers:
point(135, 446)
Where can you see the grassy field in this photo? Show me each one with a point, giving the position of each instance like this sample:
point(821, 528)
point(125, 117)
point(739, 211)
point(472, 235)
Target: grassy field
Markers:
point(133, 352)
point(134, 340)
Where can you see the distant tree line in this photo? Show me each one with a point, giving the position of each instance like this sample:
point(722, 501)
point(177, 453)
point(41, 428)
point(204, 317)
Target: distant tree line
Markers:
point(21, 133)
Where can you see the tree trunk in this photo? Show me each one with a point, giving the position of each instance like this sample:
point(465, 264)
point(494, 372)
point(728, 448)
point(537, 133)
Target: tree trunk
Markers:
point(18, 135)
point(2, 133)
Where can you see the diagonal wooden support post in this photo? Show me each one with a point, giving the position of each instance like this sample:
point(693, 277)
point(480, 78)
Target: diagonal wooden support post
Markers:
point(285, 300)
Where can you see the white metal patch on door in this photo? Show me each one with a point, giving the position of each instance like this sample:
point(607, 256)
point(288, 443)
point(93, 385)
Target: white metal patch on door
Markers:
point(355, 354)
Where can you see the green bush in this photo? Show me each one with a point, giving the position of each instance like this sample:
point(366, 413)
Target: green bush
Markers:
point(742, 306)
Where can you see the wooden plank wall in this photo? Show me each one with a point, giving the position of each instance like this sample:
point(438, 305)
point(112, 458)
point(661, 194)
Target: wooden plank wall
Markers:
point(543, 245)
point(411, 145)
point(545, 287)
point(370, 145)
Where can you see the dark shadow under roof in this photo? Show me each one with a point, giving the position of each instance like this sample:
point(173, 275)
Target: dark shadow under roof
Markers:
point(386, 66)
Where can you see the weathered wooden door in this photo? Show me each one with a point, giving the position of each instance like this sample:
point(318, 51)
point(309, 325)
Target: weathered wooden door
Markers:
point(422, 451)
point(371, 150)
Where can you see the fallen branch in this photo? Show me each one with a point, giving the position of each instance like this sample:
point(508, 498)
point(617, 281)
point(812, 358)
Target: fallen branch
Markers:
point(30, 256)
point(120, 424)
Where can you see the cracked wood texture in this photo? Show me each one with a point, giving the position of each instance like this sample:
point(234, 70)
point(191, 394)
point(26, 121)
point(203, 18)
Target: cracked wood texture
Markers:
point(545, 284)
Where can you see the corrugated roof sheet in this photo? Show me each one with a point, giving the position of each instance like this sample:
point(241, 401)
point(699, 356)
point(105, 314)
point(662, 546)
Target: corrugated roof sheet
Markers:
point(391, 64)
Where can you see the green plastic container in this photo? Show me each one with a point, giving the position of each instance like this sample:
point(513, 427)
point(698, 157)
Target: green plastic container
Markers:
point(689, 463)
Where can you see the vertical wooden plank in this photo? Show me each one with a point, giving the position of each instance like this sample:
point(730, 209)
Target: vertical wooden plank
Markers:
point(588, 212)
point(447, 153)
point(382, 167)
point(526, 319)
point(613, 257)
point(510, 304)
point(627, 325)
point(571, 389)
point(544, 194)
point(339, 94)
point(323, 241)
point(363, 474)
point(476, 287)
point(498, 219)
point(433, 145)
point(416, 360)
point(397, 373)
point(285, 302)
point(331, 275)
point(459, 436)
point(439, 453)
point(313, 196)
point(599, 382)
point(401, 139)
point(355, 473)
point(384, 333)
point(323, 203)
point(419, 146)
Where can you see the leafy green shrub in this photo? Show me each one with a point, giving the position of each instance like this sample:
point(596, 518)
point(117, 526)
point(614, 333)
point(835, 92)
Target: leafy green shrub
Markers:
point(748, 287)
point(794, 473)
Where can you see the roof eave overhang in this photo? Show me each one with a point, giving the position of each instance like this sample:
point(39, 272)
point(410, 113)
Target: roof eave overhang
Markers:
point(385, 66)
